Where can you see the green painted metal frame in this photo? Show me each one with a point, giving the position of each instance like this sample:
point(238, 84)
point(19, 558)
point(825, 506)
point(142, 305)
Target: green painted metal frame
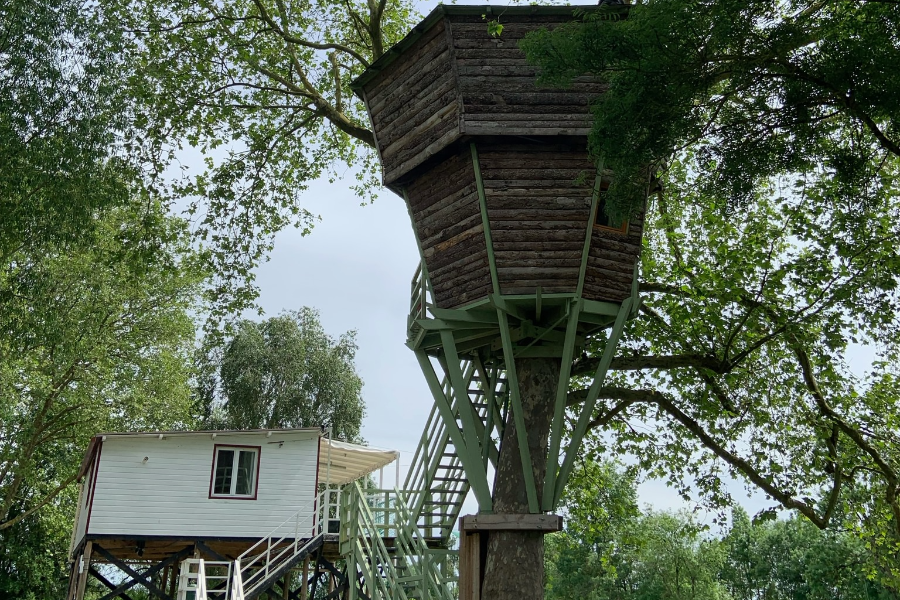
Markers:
point(484, 328)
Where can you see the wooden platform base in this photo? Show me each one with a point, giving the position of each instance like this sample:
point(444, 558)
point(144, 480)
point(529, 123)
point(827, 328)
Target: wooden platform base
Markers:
point(153, 564)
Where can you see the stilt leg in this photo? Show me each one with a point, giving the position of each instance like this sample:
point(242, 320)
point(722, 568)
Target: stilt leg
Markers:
point(84, 568)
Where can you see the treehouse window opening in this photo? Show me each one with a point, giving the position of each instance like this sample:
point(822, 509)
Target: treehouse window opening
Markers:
point(235, 470)
point(602, 220)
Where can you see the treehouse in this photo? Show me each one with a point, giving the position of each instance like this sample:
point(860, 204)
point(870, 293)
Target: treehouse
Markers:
point(520, 263)
point(503, 194)
point(164, 497)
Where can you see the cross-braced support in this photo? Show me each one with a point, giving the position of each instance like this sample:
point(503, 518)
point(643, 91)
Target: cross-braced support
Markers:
point(463, 352)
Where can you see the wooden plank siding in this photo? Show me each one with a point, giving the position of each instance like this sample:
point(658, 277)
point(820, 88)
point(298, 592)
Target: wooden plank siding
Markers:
point(414, 104)
point(499, 88)
point(447, 216)
point(168, 495)
point(539, 192)
point(611, 260)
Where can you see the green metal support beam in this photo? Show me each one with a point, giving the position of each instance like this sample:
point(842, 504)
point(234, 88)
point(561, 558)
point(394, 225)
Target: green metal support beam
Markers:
point(588, 409)
point(470, 457)
point(482, 203)
point(559, 408)
point(512, 383)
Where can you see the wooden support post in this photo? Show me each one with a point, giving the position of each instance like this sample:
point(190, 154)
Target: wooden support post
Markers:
point(173, 579)
point(286, 586)
point(472, 554)
point(83, 568)
point(304, 589)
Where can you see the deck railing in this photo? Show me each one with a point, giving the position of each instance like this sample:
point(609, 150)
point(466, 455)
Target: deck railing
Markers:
point(316, 517)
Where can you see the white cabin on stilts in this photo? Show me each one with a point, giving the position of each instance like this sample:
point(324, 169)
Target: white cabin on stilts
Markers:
point(151, 501)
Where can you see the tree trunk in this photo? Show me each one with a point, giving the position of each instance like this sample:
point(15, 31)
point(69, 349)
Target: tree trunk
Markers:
point(515, 559)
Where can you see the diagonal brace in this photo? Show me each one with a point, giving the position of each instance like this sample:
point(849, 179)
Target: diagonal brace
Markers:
point(588, 409)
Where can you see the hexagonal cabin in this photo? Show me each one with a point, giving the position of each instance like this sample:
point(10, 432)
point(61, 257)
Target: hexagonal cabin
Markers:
point(494, 167)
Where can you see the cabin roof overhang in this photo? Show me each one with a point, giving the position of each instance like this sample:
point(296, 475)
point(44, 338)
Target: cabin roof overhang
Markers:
point(443, 10)
point(342, 462)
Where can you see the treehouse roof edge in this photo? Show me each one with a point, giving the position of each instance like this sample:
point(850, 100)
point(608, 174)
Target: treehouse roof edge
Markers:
point(442, 10)
point(449, 81)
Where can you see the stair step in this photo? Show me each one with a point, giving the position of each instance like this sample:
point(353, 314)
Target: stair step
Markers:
point(444, 503)
point(457, 479)
point(451, 467)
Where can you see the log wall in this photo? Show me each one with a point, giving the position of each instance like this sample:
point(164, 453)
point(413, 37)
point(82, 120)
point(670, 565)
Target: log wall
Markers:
point(538, 202)
point(611, 260)
point(413, 104)
point(500, 94)
point(447, 217)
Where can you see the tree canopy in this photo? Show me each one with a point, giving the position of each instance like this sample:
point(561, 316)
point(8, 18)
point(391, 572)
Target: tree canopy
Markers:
point(622, 553)
point(283, 372)
point(754, 89)
point(260, 90)
point(770, 253)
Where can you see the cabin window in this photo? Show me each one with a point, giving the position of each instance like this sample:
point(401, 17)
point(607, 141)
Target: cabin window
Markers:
point(602, 220)
point(235, 472)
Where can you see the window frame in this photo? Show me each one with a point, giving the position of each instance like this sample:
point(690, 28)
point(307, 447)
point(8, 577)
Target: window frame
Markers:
point(601, 205)
point(212, 474)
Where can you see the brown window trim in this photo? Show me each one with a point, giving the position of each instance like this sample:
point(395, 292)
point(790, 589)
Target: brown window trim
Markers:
point(601, 204)
point(212, 473)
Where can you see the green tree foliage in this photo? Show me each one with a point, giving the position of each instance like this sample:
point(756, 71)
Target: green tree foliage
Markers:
point(93, 338)
point(283, 372)
point(792, 559)
point(260, 88)
point(97, 283)
point(756, 89)
point(57, 113)
point(34, 553)
point(769, 253)
point(625, 554)
point(738, 364)
point(610, 550)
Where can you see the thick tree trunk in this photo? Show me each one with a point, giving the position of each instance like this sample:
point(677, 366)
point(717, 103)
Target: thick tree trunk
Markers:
point(515, 559)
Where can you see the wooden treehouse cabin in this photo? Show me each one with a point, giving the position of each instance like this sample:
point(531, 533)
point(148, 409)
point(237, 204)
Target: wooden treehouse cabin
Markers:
point(503, 194)
point(519, 258)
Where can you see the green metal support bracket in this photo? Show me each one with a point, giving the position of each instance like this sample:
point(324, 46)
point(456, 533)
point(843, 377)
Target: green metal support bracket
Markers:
point(470, 457)
point(588, 409)
point(482, 202)
point(592, 218)
point(559, 408)
point(512, 384)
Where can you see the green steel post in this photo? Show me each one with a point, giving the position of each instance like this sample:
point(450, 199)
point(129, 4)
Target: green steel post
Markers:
point(594, 391)
point(471, 459)
point(512, 384)
point(592, 218)
point(486, 224)
point(489, 411)
point(559, 408)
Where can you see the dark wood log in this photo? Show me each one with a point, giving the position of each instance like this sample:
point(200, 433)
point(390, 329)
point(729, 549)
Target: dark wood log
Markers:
point(405, 66)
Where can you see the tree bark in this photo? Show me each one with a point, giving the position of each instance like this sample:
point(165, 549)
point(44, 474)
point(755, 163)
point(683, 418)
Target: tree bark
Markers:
point(514, 568)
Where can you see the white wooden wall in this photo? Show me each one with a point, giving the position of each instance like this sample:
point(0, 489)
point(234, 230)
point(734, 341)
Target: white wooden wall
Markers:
point(83, 498)
point(168, 495)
